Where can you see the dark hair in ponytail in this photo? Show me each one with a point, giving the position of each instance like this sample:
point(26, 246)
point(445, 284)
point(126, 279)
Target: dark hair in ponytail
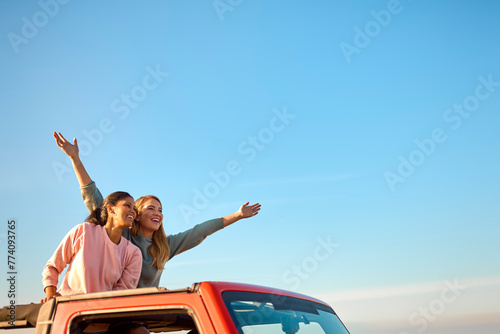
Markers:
point(100, 215)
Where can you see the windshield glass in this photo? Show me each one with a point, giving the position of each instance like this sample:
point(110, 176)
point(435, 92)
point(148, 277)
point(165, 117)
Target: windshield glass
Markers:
point(255, 313)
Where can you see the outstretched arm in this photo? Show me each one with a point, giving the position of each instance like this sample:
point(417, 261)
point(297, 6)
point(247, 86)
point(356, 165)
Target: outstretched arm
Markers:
point(71, 151)
point(181, 242)
point(245, 211)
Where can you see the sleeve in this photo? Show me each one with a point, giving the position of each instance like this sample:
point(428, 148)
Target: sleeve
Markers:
point(63, 256)
point(193, 237)
point(132, 271)
point(91, 195)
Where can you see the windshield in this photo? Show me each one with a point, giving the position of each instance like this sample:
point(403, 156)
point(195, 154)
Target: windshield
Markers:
point(255, 313)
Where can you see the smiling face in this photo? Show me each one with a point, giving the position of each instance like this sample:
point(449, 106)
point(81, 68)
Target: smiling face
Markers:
point(123, 213)
point(150, 216)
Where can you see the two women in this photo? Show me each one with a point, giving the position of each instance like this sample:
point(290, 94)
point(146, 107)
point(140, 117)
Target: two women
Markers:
point(99, 258)
point(147, 231)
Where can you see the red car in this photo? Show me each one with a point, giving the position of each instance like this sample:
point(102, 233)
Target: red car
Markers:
point(207, 307)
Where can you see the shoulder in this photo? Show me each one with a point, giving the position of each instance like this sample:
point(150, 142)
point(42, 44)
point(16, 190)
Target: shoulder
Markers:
point(86, 226)
point(91, 229)
point(79, 229)
point(76, 234)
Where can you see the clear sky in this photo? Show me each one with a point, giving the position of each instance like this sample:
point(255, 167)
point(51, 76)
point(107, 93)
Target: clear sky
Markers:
point(365, 129)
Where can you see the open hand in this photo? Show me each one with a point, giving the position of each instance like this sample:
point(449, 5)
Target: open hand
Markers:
point(247, 211)
point(71, 150)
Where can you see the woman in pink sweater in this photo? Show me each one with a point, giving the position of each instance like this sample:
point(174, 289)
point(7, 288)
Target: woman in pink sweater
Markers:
point(99, 258)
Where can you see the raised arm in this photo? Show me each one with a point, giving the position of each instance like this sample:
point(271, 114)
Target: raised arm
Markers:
point(91, 195)
point(245, 211)
point(71, 151)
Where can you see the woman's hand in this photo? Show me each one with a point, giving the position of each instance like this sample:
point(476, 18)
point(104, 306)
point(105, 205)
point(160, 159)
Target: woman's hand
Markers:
point(71, 150)
point(247, 211)
point(50, 293)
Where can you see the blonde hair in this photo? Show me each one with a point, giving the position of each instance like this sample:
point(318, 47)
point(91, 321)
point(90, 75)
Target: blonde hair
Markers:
point(159, 249)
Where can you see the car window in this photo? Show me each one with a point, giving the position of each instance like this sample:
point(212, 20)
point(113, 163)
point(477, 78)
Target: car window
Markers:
point(172, 320)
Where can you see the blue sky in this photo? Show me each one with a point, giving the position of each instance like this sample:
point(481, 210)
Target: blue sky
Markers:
point(366, 129)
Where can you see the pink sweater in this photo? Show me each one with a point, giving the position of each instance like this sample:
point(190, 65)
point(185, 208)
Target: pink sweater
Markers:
point(95, 262)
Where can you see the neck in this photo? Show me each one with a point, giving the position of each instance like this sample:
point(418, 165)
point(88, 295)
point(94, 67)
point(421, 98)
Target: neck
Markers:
point(146, 233)
point(114, 232)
